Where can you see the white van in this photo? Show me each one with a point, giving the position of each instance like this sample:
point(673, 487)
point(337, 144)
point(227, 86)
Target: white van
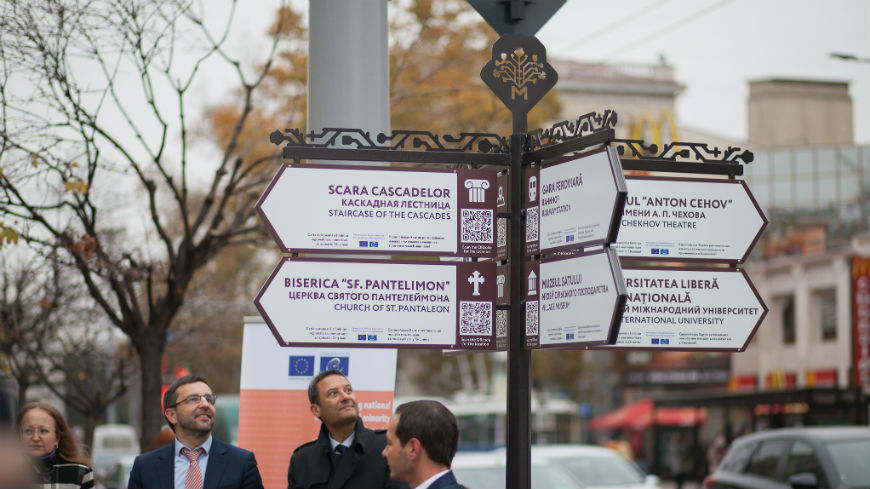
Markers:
point(112, 442)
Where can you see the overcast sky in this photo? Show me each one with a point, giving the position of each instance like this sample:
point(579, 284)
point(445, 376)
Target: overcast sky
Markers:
point(715, 47)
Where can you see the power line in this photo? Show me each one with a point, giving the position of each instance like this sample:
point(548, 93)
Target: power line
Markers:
point(632, 16)
point(668, 27)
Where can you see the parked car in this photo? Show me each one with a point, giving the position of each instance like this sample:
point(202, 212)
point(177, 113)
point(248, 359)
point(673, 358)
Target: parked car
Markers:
point(486, 470)
point(596, 466)
point(807, 457)
point(555, 466)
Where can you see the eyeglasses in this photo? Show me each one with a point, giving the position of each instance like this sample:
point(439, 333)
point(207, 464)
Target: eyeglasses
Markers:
point(195, 399)
point(42, 432)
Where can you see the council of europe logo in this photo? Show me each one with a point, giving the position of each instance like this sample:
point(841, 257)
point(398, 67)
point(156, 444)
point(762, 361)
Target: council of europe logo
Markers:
point(341, 364)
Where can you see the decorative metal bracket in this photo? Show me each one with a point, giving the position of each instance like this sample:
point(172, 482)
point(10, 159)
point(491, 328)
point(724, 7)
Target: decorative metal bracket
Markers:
point(685, 151)
point(560, 132)
point(397, 146)
point(682, 157)
point(594, 128)
point(397, 140)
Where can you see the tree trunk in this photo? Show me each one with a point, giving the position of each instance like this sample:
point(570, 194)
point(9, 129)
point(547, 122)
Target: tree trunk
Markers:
point(90, 423)
point(23, 385)
point(152, 383)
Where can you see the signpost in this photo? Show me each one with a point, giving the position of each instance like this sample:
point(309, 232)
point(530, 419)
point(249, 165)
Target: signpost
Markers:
point(574, 302)
point(372, 303)
point(562, 193)
point(689, 220)
point(574, 202)
point(324, 209)
point(689, 309)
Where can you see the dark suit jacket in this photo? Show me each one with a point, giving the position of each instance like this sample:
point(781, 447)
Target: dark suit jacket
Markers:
point(361, 467)
point(446, 481)
point(228, 467)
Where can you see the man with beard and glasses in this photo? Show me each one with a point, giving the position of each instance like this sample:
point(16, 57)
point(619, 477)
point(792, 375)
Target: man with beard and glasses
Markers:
point(195, 460)
point(346, 454)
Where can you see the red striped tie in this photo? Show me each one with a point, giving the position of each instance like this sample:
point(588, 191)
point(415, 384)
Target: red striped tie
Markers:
point(193, 479)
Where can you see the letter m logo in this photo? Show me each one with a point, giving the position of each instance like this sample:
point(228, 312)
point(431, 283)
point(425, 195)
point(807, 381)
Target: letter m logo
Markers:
point(519, 92)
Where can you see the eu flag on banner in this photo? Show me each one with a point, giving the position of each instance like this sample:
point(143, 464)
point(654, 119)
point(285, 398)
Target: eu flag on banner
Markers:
point(301, 366)
point(335, 363)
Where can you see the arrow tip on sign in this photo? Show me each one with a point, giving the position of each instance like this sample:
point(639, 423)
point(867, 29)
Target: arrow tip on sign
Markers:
point(516, 16)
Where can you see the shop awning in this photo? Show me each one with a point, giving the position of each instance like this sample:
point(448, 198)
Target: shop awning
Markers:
point(639, 416)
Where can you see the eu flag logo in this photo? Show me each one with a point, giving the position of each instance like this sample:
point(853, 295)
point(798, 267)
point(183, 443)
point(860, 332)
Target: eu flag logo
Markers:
point(569, 336)
point(569, 238)
point(335, 363)
point(301, 366)
point(654, 251)
point(363, 244)
point(655, 341)
point(360, 337)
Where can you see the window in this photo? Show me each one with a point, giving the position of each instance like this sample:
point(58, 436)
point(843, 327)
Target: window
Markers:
point(827, 300)
point(852, 460)
point(788, 326)
point(738, 457)
point(802, 459)
point(766, 459)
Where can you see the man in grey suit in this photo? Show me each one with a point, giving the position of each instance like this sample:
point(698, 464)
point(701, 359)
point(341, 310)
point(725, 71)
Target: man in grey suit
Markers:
point(195, 460)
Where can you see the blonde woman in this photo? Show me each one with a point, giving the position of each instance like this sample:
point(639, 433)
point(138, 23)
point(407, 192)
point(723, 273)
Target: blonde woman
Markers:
point(49, 442)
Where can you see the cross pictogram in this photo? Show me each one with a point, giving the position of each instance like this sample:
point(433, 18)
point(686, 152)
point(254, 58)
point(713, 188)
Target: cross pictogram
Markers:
point(476, 279)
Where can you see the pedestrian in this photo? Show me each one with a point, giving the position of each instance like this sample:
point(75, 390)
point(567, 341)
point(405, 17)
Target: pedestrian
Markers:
point(675, 460)
point(421, 442)
point(195, 459)
point(346, 454)
point(716, 452)
point(52, 448)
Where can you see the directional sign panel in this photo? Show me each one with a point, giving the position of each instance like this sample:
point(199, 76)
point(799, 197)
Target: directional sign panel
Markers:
point(518, 16)
point(575, 302)
point(674, 308)
point(574, 202)
point(376, 303)
point(341, 209)
point(682, 219)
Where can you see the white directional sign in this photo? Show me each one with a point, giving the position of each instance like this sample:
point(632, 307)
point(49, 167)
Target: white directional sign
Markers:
point(372, 303)
point(683, 219)
point(341, 209)
point(574, 302)
point(671, 308)
point(574, 202)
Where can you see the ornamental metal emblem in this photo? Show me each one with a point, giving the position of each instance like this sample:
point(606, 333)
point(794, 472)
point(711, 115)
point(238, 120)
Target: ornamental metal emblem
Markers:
point(518, 72)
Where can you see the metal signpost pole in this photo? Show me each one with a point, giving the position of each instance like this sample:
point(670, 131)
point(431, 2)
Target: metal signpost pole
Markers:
point(519, 385)
point(519, 75)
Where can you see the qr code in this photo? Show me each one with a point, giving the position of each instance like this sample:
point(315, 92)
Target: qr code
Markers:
point(531, 318)
point(501, 323)
point(532, 224)
point(502, 232)
point(477, 226)
point(475, 318)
